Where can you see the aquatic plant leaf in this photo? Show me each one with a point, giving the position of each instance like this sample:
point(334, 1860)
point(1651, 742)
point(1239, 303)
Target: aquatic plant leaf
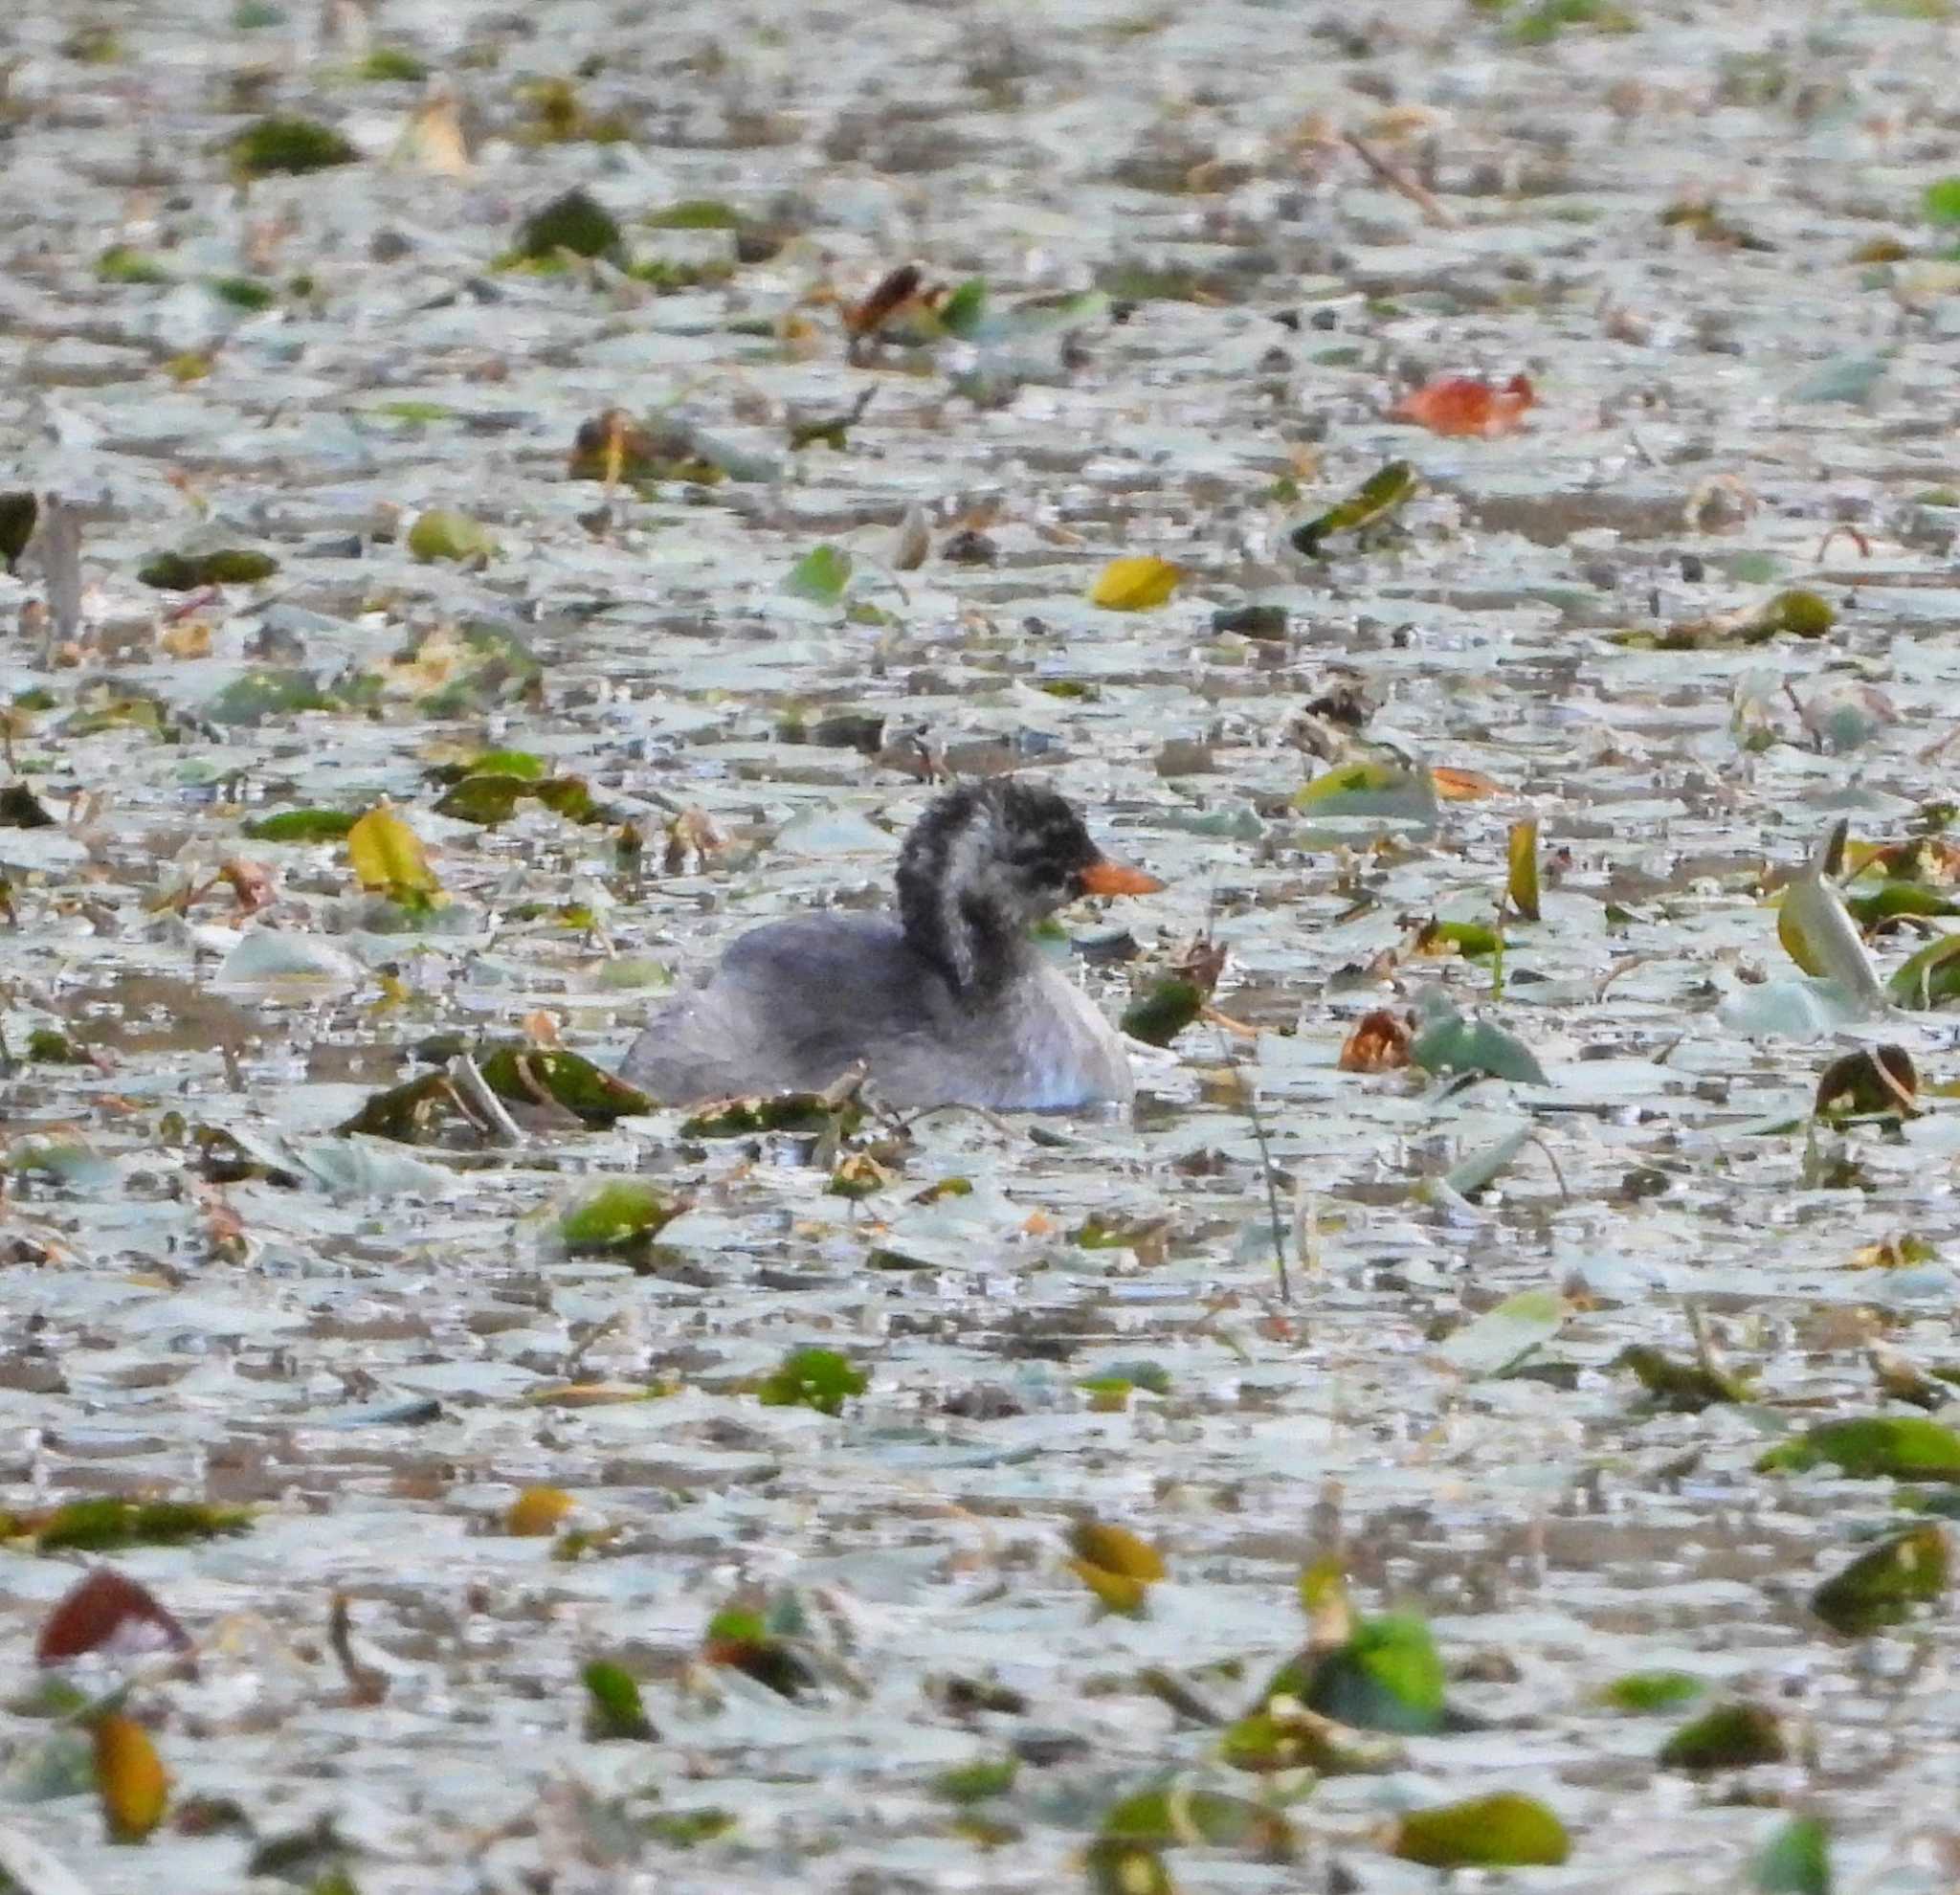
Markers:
point(290, 145)
point(1504, 1830)
point(106, 1612)
point(1478, 1171)
point(761, 1645)
point(1882, 1585)
point(1521, 859)
point(529, 1074)
point(1931, 976)
point(574, 221)
point(776, 1112)
point(186, 572)
point(822, 575)
point(1903, 1447)
point(1158, 1016)
point(613, 1711)
point(1941, 201)
point(1118, 1565)
point(1645, 1692)
point(1796, 1860)
point(130, 1778)
point(819, 1378)
point(976, 1782)
point(108, 1523)
point(487, 800)
point(1374, 787)
point(1378, 498)
point(622, 1212)
point(1139, 583)
point(1876, 1081)
point(386, 856)
point(1818, 934)
point(1466, 405)
point(1182, 1812)
point(1120, 1865)
point(1680, 1388)
point(446, 533)
point(1449, 1043)
point(1500, 1338)
point(1732, 1736)
point(1386, 1676)
point(536, 1512)
point(1284, 1735)
point(301, 826)
point(1471, 939)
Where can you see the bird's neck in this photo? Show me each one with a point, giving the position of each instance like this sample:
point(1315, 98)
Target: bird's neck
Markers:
point(976, 941)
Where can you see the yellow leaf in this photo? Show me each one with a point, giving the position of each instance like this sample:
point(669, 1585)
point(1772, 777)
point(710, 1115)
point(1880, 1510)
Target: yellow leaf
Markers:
point(535, 1513)
point(387, 855)
point(1136, 585)
point(1118, 1590)
point(1523, 852)
point(129, 1779)
point(1116, 1549)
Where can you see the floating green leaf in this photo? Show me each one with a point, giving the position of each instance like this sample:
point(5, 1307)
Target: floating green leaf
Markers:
point(1732, 1736)
point(1644, 1692)
point(301, 826)
point(1370, 788)
point(1682, 1387)
point(1118, 1865)
point(290, 145)
point(1373, 503)
point(1882, 1585)
point(1505, 1830)
point(184, 572)
point(976, 1782)
point(821, 576)
point(446, 533)
point(1796, 1861)
point(613, 1711)
point(1158, 1016)
point(108, 1523)
point(1179, 1810)
point(621, 1213)
point(576, 222)
point(819, 1378)
point(1449, 1043)
point(1942, 201)
point(1903, 1447)
point(531, 1075)
point(1931, 976)
point(1499, 1340)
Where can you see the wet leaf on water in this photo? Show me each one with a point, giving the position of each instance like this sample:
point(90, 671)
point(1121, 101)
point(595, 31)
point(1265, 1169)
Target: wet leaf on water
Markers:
point(575, 221)
point(1521, 881)
point(1370, 788)
point(1882, 1585)
point(1876, 1081)
point(1466, 405)
point(899, 293)
point(1136, 584)
point(819, 1378)
point(1903, 1447)
point(1796, 1860)
point(19, 510)
point(486, 800)
point(388, 858)
point(621, 1213)
point(1941, 201)
point(1265, 623)
point(447, 533)
point(1378, 1043)
point(1732, 1736)
point(613, 1711)
point(613, 447)
point(301, 826)
point(1450, 1043)
point(21, 808)
point(104, 1611)
point(48, 1047)
point(1180, 1810)
point(1899, 901)
point(1118, 1565)
point(536, 1512)
point(1118, 1865)
point(1505, 1830)
point(130, 1778)
point(1159, 1015)
point(532, 1075)
point(260, 694)
point(1647, 1692)
point(1499, 1340)
point(822, 575)
point(1377, 500)
point(1677, 1386)
point(186, 572)
point(858, 1174)
point(1384, 1676)
point(976, 1782)
point(1930, 977)
point(109, 1524)
point(1473, 941)
point(778, 1112)
point(288, 145)
point(411, 1113)
point(762, 1645)
point(1284, 1735)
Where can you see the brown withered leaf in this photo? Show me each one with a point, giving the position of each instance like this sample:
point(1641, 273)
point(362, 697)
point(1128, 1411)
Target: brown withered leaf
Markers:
point(1379, 1043)
point(103, 1612)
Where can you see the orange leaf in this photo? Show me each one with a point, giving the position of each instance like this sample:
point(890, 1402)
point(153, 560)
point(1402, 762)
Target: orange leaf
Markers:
point(535, 1513)
point(103, 1612)
point(1464, 786)
point(1466, 405)
point(130, 1778)
point(1378, 1044)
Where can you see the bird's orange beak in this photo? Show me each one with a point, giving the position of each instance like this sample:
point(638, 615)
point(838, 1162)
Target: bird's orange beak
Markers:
point(1102, 877)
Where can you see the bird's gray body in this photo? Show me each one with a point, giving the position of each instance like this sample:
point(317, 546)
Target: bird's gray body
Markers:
point(795, 1003)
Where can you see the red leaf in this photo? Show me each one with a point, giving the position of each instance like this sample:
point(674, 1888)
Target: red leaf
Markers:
point(1466, 405)
point(103, 1612)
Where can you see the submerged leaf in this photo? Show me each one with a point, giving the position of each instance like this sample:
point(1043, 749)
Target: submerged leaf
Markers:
point(822, 575)
point(1904, 1447)
point(1732, 1736)
point(819, 1378)
point(1496, 1342)
point(613, 1711)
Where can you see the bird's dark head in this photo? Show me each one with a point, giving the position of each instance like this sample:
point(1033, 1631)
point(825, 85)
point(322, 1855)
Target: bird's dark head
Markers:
point(989, 859)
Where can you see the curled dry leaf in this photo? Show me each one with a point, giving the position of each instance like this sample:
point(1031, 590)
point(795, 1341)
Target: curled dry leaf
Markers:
point(1136, 584)
point(130, 1778)
point(1378, 1044)
point(103, 1612)
point(1466, 405)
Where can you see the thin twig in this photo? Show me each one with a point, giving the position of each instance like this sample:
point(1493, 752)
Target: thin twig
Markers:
point(1424, 199)
point(1259, 1131)
point(473, 1091)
